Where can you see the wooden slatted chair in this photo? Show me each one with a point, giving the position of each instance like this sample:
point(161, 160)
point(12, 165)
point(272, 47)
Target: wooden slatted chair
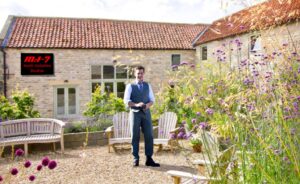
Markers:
point(215, 172)
point(166, 125)
point(120, 131)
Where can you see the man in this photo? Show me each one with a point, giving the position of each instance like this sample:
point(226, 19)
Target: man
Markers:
point(139, 97)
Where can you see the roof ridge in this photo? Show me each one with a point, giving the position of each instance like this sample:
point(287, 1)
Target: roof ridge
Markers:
point(115, 20)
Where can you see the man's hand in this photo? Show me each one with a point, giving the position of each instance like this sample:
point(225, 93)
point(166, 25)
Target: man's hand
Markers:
point(148, 105)
point(139, 104)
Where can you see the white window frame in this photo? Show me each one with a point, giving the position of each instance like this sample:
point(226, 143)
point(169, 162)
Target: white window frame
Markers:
point(66, 97)
point(257, 45)
point(114, 80)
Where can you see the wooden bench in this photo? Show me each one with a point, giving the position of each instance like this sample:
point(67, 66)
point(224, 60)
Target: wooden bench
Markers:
point(35, 130)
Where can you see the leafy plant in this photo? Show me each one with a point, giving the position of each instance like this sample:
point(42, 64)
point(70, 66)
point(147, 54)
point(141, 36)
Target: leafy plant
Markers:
point(22, 106)
point(103, 103)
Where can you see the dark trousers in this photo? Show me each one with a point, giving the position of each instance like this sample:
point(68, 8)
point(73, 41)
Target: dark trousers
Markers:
point(143, 120)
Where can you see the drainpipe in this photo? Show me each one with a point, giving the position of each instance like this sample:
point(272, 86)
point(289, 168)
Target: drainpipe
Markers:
point(4, 71)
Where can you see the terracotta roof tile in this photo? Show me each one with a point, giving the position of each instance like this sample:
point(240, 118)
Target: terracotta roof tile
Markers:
point(45, 32)
point(261, 16)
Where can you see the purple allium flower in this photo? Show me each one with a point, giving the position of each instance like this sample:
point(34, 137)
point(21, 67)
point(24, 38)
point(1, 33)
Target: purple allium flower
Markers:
point(285, 44)
point(180, 135)
point(39, 167)
point(194, 121)
point(188, 135)
point(192, 65)
point(242, 27)
point(173, 136)
point(209, 111)
point(27, 164)
point(250, 107)
point(14, 171)
point(19, 152)
point(45, 161)
point(209, 91)
point(198, 114)
point(52, 164)
point(31, 178)
point(203, 125)
point(294, 53)
point(1, 178)
point(183, 122)
point(184, 63)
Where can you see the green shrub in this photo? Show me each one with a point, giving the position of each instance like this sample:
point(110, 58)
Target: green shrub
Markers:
point(22, 106)
point(103, 103)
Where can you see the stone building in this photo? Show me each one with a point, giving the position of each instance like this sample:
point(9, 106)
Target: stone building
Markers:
point(250, 33)
point(61, 60)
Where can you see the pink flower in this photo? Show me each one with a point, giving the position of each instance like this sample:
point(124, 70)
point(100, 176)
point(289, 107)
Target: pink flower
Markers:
point(1, 178)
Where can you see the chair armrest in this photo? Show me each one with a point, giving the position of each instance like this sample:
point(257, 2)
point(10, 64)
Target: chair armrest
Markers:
point(175, 130)
point(109, 129)
point(181, 174)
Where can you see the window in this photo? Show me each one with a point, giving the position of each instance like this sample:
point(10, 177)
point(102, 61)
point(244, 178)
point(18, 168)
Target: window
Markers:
point(204, 53)
point(113, 79)
point(66, 101)
point(175, 61)
point(255, 43)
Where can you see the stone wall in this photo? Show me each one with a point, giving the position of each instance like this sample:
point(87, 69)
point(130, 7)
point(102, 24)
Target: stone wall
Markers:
point(73, 68)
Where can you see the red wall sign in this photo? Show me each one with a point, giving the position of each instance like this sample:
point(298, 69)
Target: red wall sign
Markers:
point(37, 64)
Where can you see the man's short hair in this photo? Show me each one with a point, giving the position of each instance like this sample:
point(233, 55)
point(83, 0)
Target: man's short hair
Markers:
point(139, 68)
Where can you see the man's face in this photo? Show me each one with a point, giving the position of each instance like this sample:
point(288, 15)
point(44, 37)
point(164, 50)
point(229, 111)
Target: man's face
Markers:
point(139, 75)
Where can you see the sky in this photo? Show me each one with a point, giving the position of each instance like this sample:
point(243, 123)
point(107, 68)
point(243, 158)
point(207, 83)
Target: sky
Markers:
point(176, 11)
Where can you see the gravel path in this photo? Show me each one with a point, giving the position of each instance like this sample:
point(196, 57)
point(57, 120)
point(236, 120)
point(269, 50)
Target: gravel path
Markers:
point(94, 165)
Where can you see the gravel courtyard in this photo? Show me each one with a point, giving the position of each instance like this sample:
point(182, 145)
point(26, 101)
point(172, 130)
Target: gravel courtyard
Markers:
point(95, 165)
